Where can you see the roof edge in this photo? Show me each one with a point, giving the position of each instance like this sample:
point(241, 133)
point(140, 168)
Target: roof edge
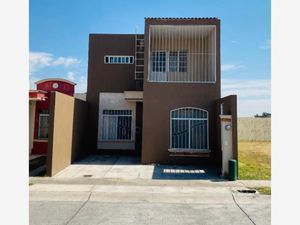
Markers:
point(182, 18)
point(55, 79)
point(110, 34)
point(37, 91)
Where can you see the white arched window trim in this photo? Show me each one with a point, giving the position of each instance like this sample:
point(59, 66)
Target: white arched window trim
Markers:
point(202, 147)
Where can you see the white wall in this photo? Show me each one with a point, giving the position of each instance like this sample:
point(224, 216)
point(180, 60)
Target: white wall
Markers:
point(226, 142)
point(116, 101)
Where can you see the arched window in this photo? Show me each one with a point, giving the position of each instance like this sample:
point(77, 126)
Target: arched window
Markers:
point(189, 129)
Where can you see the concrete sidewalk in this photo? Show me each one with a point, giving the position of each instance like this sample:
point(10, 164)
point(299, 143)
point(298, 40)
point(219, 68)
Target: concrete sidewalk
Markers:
point(146, 182)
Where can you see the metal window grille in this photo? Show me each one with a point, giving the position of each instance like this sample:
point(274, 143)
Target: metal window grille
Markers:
point(190, 52)
point(43, 126)
point(116, 125)
point(173, 61)
point(189, 129)
point(158, 61)
point(118, 59)
point(182, 61)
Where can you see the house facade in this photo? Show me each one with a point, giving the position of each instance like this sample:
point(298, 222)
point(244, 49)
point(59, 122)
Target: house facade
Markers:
point(156, 94)
point(39, 111)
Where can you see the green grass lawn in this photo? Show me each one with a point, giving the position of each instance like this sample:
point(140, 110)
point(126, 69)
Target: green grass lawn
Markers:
point(254, 160)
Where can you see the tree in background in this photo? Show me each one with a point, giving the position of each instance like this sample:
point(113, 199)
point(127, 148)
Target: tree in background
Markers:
point(263, 115)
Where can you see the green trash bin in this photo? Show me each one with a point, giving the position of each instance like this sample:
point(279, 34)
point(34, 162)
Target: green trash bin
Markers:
point(232, 169)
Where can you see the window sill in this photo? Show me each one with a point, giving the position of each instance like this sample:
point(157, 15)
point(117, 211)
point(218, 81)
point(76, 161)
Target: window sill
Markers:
point(186, 150)
point(40, 140)
point(118, 141)
point(190, 152)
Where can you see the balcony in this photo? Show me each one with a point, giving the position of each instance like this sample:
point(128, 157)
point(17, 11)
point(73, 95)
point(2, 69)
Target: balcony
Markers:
point(182, 53)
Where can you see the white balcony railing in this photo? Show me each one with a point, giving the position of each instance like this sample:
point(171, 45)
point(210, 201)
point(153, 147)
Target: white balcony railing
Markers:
point(182, 53)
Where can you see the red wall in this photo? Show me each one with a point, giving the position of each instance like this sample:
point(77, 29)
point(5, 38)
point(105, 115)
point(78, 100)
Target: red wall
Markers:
point(41, 146)
point(63, 87)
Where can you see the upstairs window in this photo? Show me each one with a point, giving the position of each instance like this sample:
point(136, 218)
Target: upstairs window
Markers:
point(165, 64)
point(182, 61)
point(178, 61)
point(173, 62)
point(108, 59)
point(169, 61)
point(158, 60)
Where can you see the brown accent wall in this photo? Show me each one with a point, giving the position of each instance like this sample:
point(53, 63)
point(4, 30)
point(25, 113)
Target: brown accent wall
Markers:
point(229, 108)
point(107, 77)
point(79, 136)
point(161, 98)
point(67, 131)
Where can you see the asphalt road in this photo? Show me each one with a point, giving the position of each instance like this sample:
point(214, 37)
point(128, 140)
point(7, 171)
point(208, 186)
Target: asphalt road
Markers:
point(181, 202)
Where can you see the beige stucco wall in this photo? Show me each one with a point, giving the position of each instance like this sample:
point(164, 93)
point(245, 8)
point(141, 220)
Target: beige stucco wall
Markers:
point(254, 129)
point(66, 132)
point(116, 101)
point(31, 124)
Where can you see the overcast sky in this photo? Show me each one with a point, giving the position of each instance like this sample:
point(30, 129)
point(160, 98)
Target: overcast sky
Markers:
point(59, 39)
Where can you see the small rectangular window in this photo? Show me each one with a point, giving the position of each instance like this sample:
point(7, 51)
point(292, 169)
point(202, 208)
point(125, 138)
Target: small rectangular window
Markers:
point(118, 59)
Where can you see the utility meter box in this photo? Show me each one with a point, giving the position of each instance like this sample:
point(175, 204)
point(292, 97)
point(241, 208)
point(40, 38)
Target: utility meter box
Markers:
point(226, 142)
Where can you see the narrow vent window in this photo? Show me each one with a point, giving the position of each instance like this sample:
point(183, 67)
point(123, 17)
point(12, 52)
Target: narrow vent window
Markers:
point(108, 59)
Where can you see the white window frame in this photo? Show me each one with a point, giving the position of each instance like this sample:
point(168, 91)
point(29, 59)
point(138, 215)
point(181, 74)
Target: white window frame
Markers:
point(41, 115)
point(167, 69)
point(159, 57)
point(178, 61)
point(124, 59)
point(108, 115)
point(189, 119)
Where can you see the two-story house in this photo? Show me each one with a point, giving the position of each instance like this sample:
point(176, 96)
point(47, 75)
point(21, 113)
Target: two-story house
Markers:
point(156, 93)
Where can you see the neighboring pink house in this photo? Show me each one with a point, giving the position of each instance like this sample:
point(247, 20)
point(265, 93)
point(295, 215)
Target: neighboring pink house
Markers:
point(39, 102)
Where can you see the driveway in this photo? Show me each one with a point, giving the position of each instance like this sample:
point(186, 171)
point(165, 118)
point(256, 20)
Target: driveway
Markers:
point(124, 167)
point(119, 190)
